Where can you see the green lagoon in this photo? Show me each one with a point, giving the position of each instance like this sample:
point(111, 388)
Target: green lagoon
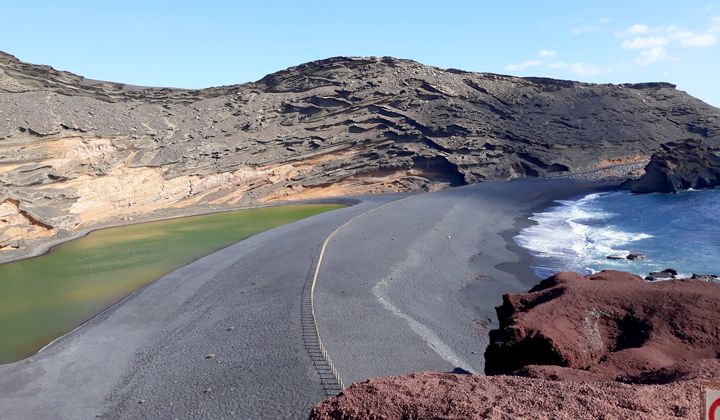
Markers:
point(44, 297)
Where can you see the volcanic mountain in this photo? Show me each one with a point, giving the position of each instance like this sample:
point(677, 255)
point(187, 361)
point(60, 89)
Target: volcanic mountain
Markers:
point(76, 152)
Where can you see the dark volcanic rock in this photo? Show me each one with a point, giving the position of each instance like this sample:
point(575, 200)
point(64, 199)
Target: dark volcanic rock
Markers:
point(705, 277)
point(680, 166)
point(668, 273)
point(91, 149)
point(604, 326)
point(636, 256)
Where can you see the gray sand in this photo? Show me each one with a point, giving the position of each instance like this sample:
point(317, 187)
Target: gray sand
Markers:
point(414, 286)
point(408, 287)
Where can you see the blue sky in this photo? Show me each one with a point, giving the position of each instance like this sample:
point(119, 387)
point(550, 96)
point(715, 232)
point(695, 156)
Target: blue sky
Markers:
point(200, 44)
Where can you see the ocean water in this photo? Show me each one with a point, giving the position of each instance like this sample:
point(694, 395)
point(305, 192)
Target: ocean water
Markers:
point(680, 231)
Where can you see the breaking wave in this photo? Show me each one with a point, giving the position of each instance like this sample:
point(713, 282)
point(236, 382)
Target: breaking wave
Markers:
point(575, 236)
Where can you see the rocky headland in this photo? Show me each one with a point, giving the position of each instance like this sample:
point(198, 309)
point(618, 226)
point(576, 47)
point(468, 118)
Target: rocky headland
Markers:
point(76, 153)
point(608, 345)
point(679, 166)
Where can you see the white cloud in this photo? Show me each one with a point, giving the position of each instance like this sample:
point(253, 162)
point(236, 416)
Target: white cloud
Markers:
point(584, 29)
point(524, 65)
point(638, 28)
point(652, 55)
point(547, 53)
point(644, 42)
point(690, 39)
point(584, 69)
point(581, 26)
point(716, 25)
point(654, 41)
point(580, 68)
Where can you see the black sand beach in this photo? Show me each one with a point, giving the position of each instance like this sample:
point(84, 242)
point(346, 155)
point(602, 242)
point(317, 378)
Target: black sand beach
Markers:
point(414, 287)
point(409, 287)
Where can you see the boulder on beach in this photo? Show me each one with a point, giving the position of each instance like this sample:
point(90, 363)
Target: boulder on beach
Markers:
point(704, 277)
point(615, 257)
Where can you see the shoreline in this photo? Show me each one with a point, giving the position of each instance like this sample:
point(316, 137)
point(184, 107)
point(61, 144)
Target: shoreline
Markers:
point(627, 224)
point(113, 304)
point(154, 344)
point(431, 271)
point(523, 269)
point(164, 330)
point(43, 247)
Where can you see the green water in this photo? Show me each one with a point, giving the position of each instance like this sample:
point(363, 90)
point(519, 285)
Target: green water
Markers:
point(44, 297)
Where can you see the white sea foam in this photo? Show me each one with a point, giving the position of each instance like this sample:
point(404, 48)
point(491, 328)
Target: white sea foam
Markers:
point(574, 235)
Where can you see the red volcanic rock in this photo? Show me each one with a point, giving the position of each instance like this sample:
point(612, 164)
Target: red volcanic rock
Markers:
point(605, 346)
point(450, 396)
point(606, 326)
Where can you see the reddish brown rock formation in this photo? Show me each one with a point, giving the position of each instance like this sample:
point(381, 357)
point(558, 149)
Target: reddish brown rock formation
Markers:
point(448, 396)
point(605, 346)
point(606, 326)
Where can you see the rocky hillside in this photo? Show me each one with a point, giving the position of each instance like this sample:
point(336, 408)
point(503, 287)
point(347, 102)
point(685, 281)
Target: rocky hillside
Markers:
point(78, 152)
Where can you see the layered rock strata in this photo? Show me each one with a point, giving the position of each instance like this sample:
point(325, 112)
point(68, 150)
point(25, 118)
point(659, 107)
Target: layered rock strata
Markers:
point(77, 152)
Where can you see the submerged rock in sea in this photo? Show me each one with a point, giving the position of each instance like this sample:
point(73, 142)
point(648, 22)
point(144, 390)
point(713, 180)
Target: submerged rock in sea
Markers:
point(680, 166)
point(704, 277)
point(604, 326)
point(631, 256)
point(666, 274)
point(636, 256)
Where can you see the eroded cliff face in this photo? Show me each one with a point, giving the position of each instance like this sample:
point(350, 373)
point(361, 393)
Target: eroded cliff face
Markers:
point(76, 152)
point(680, 166)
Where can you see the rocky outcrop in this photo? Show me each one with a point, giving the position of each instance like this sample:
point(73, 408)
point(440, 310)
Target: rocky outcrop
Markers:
point(680, 166)
point(666, 274)
point(608, 345)
point(17, 224)
point(606, 326)
point(98, 150)
point(430, 395)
